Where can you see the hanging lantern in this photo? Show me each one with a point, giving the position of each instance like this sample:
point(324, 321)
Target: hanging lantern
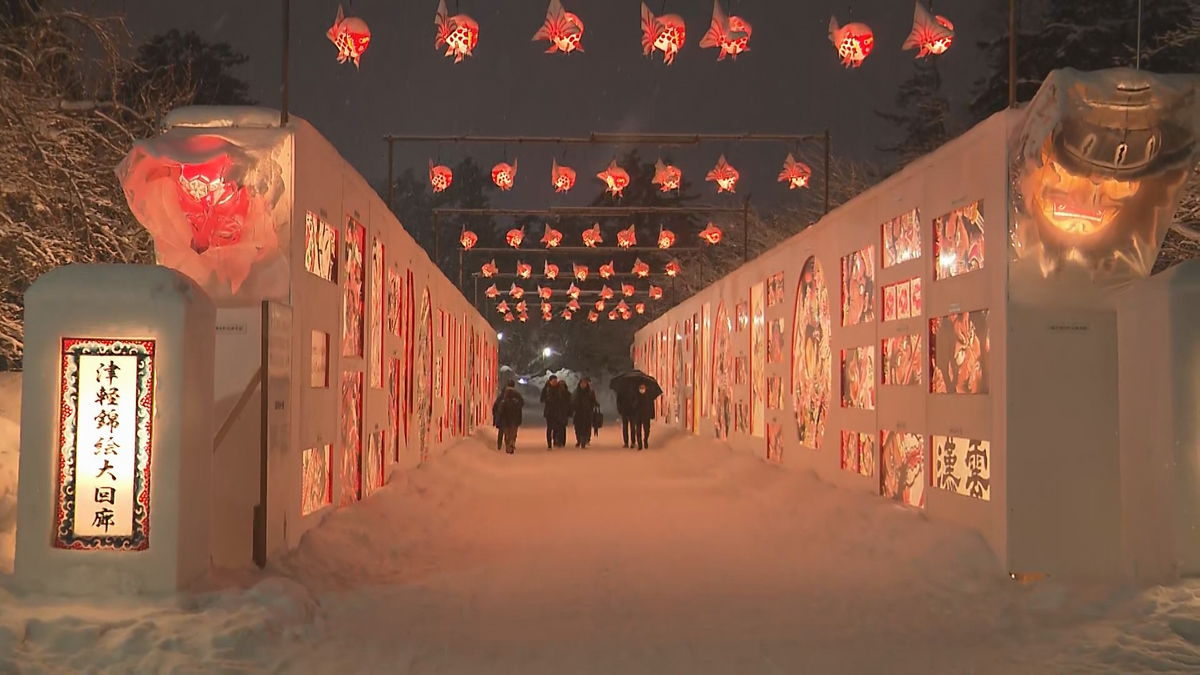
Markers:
point(547, 317)
point(930, 34)
point(592, 316)
point(665, 33)
point(523, 316)
point(550, 270)
point(854, 41)
point(573, 304)
point(656, 292)
point(516, 292)
point(627, 290)
point(581, 272)
point(489, 269)
point(524, 270)
point(606, 293)
point(673, 269)
point(468, 239)
point(458, 33)
point(730, 35)
point(552, 238)
point(615, 179)
point(666, 238)
point(562, 177)
point(544, 292)
point(667, 177)
point(625, 315)
point(521, 306)
point(641, 269)
point(567, 314)
point(606, 271)
point(562, 29)
point(546, 309)
point(440, 176)
point(711, 234)
point(627, 237)
point(796, 174)
point(492, 291)
point(599, 305)
point(502, 307)
point(573, 291)
point(640, 308)
point(508, 317)
point(515, 237)
point(591, 236)
point(350, 35)
point(612, 315)
point(503, 175)
point(724, 175)
point(622, 307)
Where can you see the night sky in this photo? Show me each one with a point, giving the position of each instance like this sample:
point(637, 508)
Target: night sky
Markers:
point(790, 81)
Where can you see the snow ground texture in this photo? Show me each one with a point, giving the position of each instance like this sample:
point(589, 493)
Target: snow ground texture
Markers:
point(687, 558)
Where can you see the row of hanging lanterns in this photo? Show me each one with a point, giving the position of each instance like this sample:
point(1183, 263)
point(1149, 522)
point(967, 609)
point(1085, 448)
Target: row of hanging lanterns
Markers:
point(580, 272)
point(666, 33)
point(520, 312)
point(545, 292)
point(626, 238)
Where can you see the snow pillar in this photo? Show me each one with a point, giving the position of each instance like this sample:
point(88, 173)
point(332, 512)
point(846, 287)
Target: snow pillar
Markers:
point(116, 432)
point(1159, 333)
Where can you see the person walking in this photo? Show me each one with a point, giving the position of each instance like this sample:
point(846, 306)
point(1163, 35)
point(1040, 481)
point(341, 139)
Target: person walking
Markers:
point(643, 412)
point(556, 399)
point(626, 400)
point(583, 409)
point(507, 413)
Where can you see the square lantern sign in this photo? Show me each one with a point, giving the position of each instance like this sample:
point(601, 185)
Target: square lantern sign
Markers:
point(105, 425)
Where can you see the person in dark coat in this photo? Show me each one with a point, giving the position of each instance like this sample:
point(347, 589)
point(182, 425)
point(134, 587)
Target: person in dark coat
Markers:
point(583, 408)
point(643, 412)
point(626, 400)
point(557, 400)
point(507, 414)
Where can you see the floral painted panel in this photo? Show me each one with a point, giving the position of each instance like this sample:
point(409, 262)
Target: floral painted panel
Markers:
point(372, 468)
point(320, 248)
point(903, 359)
point(902, 238)
point(423, 379)
point(722, 400)
point(959, 351)
point(775, 341)
point(775, 290)
point(902, 461)
point(858, 378)
point(812, 364)
point(394, 295)
point(758, 362)
point(958, 242)
point(316, 479)
point(375, 367)
point(858, 453)
point(354, 292)
point(858, 287)
point(351, 436)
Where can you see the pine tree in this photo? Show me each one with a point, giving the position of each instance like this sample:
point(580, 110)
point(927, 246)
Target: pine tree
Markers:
point(923, 114)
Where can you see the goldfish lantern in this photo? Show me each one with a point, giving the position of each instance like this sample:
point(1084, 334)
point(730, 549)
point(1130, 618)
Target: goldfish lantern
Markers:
point(612, 315)
point(459, 34)
point(546, 308)
point(562, 29)
point(591, 236)
point(562, 177)
point(492, 291)
point(795, 174)
point(599, 305)
point(930, 34)
point(502, 307)
point(516, 291)
point(656, 292)
point(524, 270)
point(521, 306)
point(547, 316)
point(468, 239)
point(625, 316)
point(567, 314)
point(627, 290)
point(581, 272)
point(489, 269)
point(440, 176)
point(573, 292)
point(711, 234)
point(573, 304)
point(606, 293)
point(552, 238)
point(854, 41)
point(666, 238)
point(730, 35)
point(665, 33)
point(622, 307)
point(550, 271)
point(615, 179)
point(640, 308)
point(515, 236)
point(350, 35)
point(724, 175)
point(627, 237)
point(673, 269)
point(606, 271)
point(667, 177)
point(508, 317)
point(545, 292)
point(592, 316)
point(503, 175)
point(523, 316)
point(641, 269)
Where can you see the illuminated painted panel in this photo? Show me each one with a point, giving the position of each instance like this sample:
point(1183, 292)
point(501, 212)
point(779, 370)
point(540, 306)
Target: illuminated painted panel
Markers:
point(958, 242)
point(858, 287)
point(106, 421)
point(902, 467)
point(320, 248)
point(903, 359)
point(775, 290)
point(901, 239)
point(375, 369)
point(316, 486)
point(858, 378)
point(960, 353)
point(758, 362)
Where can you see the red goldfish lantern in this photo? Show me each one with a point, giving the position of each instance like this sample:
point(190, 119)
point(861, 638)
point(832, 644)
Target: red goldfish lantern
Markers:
point(524, 270)
point(489, 269)
point(724, 175)
point(711, 234)
point(606, 271)
point(625, 315)
point(591, 236)
point(599, 305)
point(508, 317)
point(516, 291)
point(641, 269)
point(566, 315)
point(581, 272)
point(502, 307)
point(573, 292)
point(673, 269)
point(854, 41)
point(730, 35)
point(606, 293)
point(562, 177)
point(622, 307)
point(667, 177)
point(640, 308)
point(515, 237)
point(458, 33)
point(546, 308)
point(562, 29)
point(351, 37)
point(552, 238)
point(627, 290)
point(440, 176)
point(930, 34)
point(503, 175)
point(468, 239)
point(612, 315)
point(523, 316)
point(492, 291)
point(666, 238)
point(592, 316)
point(544, 292)
point(521, 307)
point(665, 33)
point(615, 178)
point(656, 292)
point(627, 237)
point(550, 271)
point(796, 174)
point(573, 304)
point(547, 316)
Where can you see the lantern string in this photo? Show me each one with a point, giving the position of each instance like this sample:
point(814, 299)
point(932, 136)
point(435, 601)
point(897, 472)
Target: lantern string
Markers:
point(1138, 58)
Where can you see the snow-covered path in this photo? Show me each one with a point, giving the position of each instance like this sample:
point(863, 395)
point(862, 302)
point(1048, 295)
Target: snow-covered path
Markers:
point(687, 558)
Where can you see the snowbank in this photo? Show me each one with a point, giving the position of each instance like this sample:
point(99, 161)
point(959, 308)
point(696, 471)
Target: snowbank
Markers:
point(10, 443)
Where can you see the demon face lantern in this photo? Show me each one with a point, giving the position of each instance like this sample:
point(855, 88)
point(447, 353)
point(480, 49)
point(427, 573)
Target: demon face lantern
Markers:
point(1099, 163)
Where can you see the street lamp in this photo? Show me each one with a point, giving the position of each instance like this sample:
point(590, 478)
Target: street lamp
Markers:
point(499, 336)
point(547, 352)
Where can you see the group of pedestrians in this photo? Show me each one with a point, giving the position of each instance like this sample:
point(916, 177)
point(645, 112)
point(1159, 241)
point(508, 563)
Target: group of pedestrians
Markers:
point(560, 405)
point(636, 407)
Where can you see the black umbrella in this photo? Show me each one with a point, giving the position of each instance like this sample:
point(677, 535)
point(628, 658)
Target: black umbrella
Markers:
point(631, 380)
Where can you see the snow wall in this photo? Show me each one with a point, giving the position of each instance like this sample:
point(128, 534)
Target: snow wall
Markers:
point(889, 350)
point(374, 360)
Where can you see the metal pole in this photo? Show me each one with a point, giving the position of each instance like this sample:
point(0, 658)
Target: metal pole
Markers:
point(746, 231)
point(1012, 53)
point(391, 177)
point(827, 161)
point(287, 46)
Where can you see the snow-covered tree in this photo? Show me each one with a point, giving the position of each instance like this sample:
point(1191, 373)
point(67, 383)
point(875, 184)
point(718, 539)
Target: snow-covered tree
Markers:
point(922, 114)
